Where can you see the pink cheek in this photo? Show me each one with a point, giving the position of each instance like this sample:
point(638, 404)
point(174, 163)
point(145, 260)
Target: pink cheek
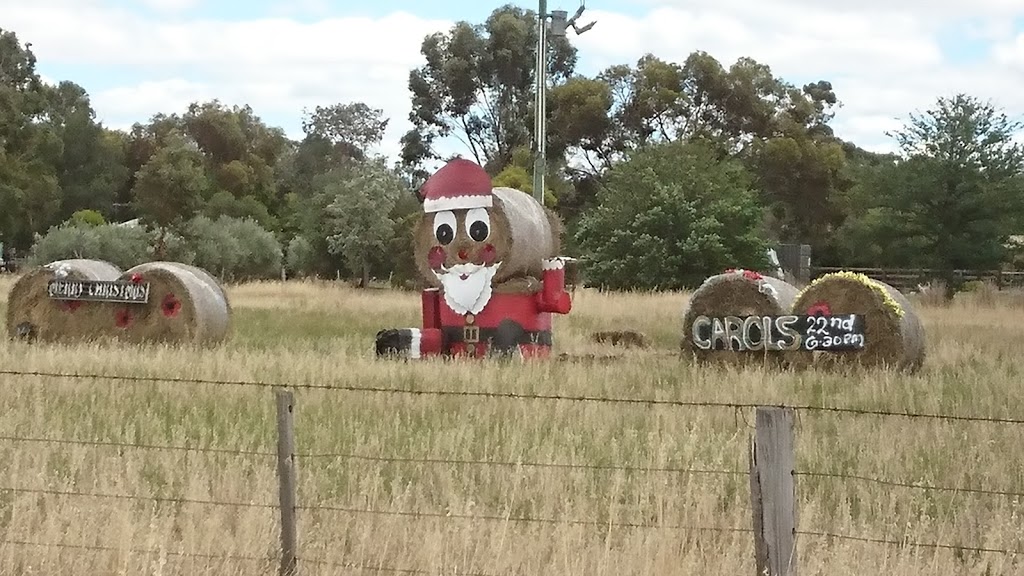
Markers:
point(436, 257)
point(488, 255)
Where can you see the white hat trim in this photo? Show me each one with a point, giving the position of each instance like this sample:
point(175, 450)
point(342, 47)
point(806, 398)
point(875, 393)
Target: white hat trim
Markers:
point(458, 203)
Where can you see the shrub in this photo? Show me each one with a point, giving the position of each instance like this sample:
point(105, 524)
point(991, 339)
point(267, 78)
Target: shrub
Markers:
point(87, 218)
point(301, 258)
point(122, 246)
point(233, 249)
point(230, 248)
point(214, 249)
point(261, 252)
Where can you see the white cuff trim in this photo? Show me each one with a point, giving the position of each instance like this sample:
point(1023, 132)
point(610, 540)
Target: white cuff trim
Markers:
point(553, 264)
point(417, 338)
point(457, 203)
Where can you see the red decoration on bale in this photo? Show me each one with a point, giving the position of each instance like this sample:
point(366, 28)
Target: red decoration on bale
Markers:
point(123, 318)
point(136, 278)
point(748, 274)
point(819, 308)
point(170, 306)
point(70, 305)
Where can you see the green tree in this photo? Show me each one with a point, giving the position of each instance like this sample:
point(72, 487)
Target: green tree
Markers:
point(478, 86)
point(170, 186)
point(240, 153)
point(779, 130)
point(358, 202)
point(29, 148)
point(334, 135)
point(668, 217)
point(350, 128)
point(954, 196)
point(91, 167)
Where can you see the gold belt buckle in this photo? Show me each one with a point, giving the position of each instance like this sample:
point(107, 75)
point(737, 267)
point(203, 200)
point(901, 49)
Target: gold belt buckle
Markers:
point(471, 334)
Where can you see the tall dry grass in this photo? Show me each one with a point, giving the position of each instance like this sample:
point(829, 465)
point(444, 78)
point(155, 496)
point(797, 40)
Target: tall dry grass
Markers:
point(320, 333)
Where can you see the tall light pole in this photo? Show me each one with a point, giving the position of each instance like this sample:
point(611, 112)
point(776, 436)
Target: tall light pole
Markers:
point(559, 25)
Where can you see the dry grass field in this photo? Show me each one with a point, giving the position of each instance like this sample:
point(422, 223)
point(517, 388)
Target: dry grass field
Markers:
point(468, 518)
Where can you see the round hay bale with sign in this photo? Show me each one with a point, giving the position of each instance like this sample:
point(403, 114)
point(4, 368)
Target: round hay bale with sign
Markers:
point(185, 304)
point(731, 319)
point(51, 303)
point(893, 335)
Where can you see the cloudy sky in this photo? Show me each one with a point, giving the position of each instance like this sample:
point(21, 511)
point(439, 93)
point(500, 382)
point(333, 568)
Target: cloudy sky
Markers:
point(885, 58)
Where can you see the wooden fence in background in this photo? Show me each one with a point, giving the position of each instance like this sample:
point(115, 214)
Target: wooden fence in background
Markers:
point(908, 279)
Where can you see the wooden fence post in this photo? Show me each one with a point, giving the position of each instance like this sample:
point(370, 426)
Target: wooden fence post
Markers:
point(286, 478)
point(773, 492)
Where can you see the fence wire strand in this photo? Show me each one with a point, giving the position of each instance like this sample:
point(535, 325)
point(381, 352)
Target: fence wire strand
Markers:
point(390, 570)
point(890, 542)
point(98, 548)
point(111, 444)
point(519, 519)
point(519, 396)
point(898, 484)
point(132, 497)
point(510, 464)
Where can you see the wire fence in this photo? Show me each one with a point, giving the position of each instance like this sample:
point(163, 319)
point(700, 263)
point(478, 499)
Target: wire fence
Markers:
point(26, 378)
point(486, 394)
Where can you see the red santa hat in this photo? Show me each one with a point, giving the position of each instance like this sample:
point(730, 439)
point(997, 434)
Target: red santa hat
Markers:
point(459, 185)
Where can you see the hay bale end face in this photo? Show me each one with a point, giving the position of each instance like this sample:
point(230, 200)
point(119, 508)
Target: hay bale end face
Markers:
point(186, 304)
point(729, 296)
point(522, 234)
point(893, 334)
point(33, 315)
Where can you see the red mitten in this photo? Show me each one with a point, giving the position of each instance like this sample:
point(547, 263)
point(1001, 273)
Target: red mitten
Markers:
point(553, 297)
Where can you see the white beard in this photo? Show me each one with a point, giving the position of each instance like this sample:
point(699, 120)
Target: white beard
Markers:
point(467, 296)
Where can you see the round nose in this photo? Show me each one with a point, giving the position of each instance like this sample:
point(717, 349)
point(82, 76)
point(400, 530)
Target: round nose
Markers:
point(463, 254)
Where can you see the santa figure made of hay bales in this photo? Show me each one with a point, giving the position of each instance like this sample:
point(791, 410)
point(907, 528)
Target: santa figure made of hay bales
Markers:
point(489, 255)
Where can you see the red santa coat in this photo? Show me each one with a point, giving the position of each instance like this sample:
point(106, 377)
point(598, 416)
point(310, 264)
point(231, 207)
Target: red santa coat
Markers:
point(508, 322)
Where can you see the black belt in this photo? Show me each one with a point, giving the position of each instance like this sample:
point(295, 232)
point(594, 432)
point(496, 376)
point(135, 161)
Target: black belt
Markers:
point(503, 336)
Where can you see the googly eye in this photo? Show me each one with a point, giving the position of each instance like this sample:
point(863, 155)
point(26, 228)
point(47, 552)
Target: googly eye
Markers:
point(478, 224)
point(444, 227)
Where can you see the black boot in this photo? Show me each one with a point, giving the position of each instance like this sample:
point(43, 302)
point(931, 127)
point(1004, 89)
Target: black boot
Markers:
point(394, 342)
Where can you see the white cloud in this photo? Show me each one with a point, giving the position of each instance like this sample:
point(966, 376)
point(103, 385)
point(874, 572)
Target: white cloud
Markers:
point(277, 65)
point(171, 6)
point(884, 62)
point(1011, 53)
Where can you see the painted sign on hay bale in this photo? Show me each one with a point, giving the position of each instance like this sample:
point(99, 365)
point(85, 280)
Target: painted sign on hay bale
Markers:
point(490, 256)
point(186, 304)
point(63, 301)
point(728, 298)
point(894, 335)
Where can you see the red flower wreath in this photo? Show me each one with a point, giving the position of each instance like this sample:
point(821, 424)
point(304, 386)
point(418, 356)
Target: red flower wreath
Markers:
point(123, 318)
point(748, 274)
point(170, 306)
point(70, 305)
point(751, 275)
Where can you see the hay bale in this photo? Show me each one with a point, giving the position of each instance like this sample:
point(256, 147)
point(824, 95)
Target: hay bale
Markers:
point(186, 304)
point(33, 315)
point(523, 233)
point(736, 293)
point(893, 334)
